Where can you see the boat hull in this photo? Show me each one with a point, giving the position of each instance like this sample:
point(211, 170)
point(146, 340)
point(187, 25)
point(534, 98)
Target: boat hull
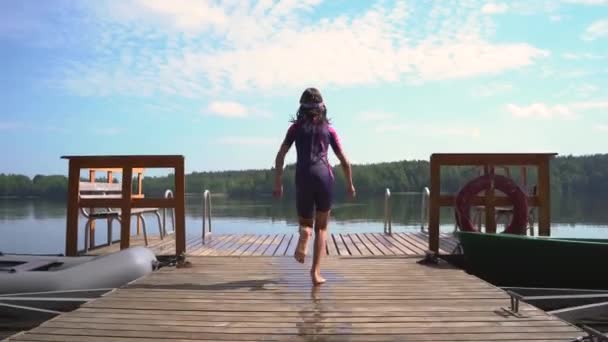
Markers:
point(78, 273)
point(523, 261)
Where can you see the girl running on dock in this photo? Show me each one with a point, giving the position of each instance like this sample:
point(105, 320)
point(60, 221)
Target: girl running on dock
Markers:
point(314, 180)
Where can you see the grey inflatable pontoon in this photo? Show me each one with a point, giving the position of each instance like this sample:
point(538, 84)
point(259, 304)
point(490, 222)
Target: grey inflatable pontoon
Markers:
point(33, 273)
point(35, 288)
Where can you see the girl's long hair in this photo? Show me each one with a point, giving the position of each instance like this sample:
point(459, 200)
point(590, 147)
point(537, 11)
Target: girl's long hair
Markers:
point(312, 118)
point(312, 109)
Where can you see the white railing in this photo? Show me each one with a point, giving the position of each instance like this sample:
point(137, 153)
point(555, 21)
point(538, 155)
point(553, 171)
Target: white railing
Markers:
point(206, 212)
point(388, 226)
point(168, 194)
point(424, 208)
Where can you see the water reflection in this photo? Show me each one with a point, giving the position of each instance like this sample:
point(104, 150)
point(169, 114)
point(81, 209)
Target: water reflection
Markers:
point(36, 225)
point(40, 209)
point(406, 209)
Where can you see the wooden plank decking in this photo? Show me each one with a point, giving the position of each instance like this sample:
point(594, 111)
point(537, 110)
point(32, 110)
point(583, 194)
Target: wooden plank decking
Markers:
point(352, 244)
point(271, 299)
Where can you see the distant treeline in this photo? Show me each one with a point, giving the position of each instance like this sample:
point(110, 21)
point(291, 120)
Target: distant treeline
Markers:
point(570, 175)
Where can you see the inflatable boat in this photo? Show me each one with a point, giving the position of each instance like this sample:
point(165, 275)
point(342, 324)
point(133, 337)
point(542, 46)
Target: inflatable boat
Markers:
point(36, 273)
point(35, 288)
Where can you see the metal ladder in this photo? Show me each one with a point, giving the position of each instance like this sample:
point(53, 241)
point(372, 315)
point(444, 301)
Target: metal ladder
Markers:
point(424, 210)
point(206, 208)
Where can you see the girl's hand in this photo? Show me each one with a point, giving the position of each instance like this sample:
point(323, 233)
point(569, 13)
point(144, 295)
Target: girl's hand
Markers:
point(351, 191)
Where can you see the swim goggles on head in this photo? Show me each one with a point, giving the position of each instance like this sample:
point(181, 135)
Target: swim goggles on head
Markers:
point(313, 105)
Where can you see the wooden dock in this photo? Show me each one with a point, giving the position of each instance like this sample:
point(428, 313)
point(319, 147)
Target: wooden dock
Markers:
point(350, 244)
point(227, 298)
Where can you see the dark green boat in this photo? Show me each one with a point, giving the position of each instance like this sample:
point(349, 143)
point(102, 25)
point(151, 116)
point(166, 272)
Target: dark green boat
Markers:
point(525, 261)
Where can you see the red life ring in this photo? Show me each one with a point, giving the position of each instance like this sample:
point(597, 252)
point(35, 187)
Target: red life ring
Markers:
point(519, 220)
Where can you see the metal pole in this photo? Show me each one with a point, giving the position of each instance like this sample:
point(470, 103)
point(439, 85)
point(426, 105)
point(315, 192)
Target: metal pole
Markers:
point(424, 207)
point(206, 212)
point(388, 229)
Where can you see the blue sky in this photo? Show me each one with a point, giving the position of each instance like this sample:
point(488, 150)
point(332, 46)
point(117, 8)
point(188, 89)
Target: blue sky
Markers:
point(217, 81)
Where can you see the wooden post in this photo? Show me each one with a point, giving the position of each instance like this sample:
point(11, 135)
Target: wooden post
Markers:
point(180, 210)
point(140, 179)
point(490, 210)
point(110, 177)
point(71, 231)
point(544, 197)
point(125, 230)
point(435, 191)
point(92, 224)
point(139, 182)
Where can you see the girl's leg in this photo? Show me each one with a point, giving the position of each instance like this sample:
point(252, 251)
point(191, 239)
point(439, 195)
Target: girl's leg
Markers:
point(305, 233)
point(321, 220)
point(305, 207)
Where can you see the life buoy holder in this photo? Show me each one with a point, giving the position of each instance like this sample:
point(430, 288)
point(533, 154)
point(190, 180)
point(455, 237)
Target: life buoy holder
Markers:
point(519, 219)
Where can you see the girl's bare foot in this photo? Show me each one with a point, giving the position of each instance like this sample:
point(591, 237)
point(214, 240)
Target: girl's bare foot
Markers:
point(302, 246)
point(316, 278)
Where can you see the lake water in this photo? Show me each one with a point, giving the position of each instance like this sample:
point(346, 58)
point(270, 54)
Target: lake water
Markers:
point(38, 226)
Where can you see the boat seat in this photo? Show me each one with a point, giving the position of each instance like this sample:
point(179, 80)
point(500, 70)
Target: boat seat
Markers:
point(29, 266)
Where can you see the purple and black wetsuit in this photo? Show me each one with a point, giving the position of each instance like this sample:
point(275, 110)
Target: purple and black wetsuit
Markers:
point(314, 176)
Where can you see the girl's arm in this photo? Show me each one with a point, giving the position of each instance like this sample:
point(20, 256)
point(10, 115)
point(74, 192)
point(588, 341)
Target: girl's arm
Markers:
point(344, 162)
point(348, 173)
point(278, 169)
point(279, 161)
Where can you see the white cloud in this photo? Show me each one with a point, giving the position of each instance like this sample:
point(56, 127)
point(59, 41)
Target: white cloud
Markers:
point(375, 116)
point(555, 18)
point(561, 74)
point(541, 110)
point(587, 2)
point(196, 48)
point(184, 15)
point(341, 59)
point(494, 8)
point(527, 7)
point(569, 111)
point(590, 105)
point(596, 30)
point(231, 109)
point(582, 56)
point(581, 91)
point(227, 109)
point(601, 127)
point(247, 141)
point(492, 89)
point(586, 90)
point(427, 130)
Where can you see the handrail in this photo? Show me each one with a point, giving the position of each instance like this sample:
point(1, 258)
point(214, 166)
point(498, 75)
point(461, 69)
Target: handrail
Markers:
point(168, 194)
point(388, 227)
point(424, 207)
point(206, 212)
